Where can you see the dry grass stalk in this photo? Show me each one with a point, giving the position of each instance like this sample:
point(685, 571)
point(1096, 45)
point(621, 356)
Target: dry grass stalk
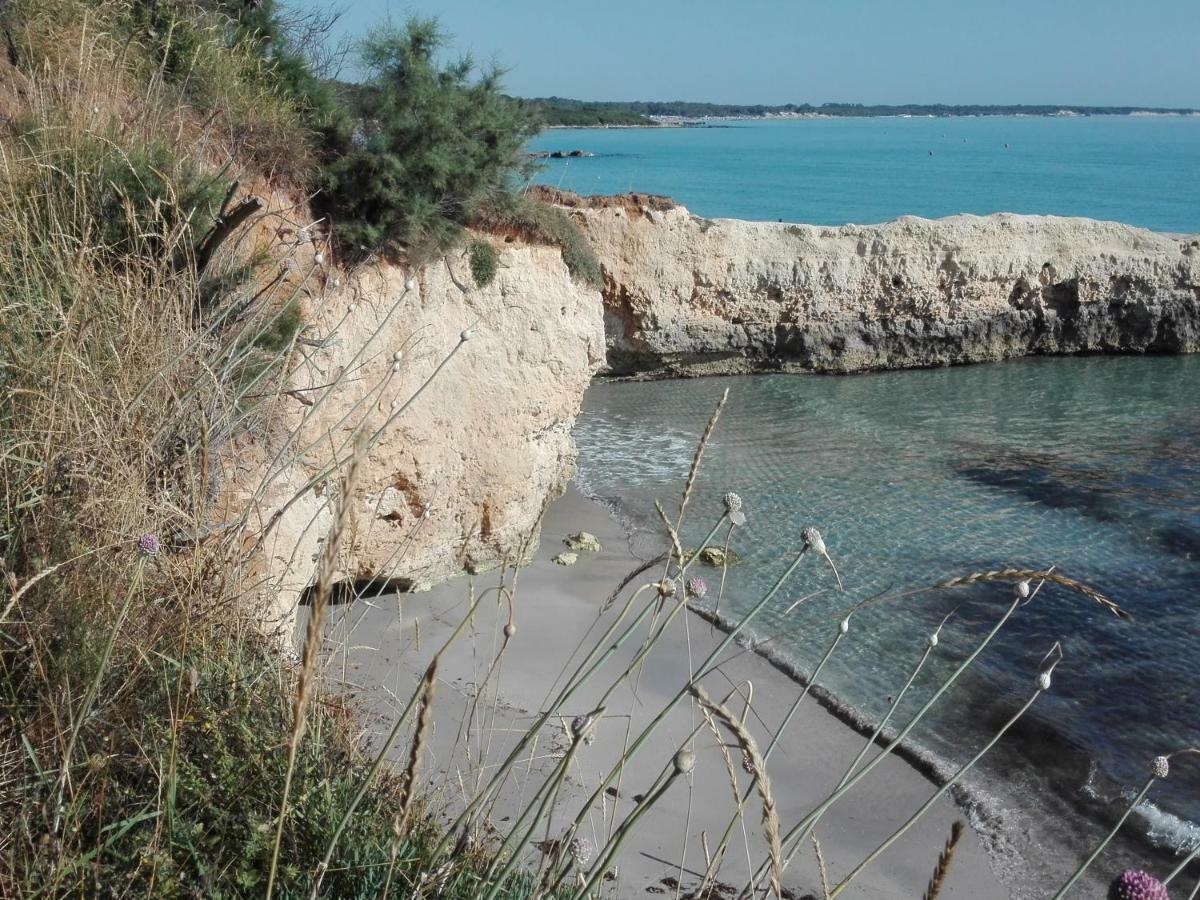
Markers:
point(762, 781)
point(313, 638)
point(1032, 574)
point(420, 737)
point(704, 439)
point(945, 858)
point(676, 546)
point(824, 872)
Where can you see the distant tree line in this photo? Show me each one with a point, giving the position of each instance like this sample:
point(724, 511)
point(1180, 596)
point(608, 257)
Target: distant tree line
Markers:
point(564, 111)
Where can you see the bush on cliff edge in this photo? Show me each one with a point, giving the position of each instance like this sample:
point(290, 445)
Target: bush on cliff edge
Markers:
point(434, 143)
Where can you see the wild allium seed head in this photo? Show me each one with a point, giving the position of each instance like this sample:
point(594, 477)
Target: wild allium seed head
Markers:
point(933, 639)
point(148, 544)
point(466, 334)
point(580, 849)
point(737, 517)
point(1043, 681)
point(697, 588)
point(509, 630)
point(685, 761)
point(666, 588)
point(1022, 589)
point(1161, 767)
point(1133, 884)
point(733, 503)
point(812, 539)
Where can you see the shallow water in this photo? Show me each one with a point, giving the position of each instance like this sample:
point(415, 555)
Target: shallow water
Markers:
point(1137, 170)
point(1088, 464)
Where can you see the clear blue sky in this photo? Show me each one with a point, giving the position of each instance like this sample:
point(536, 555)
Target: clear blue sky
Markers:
point(1098, 52)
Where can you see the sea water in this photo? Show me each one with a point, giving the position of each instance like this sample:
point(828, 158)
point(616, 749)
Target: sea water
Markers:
point(1141, 170)
point(1089, 464)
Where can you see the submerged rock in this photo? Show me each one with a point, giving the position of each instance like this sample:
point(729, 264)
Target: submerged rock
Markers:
point(566, 558)
point(715, 556)
point(584, 541)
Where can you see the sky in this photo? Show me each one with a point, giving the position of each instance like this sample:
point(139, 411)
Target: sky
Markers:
point(1085, 52)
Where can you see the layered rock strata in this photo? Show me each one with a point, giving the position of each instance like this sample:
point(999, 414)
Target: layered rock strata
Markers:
point(685, 295)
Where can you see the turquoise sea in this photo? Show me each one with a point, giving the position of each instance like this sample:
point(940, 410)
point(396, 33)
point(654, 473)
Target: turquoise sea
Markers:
point(1089, 464)
point(1142, 170)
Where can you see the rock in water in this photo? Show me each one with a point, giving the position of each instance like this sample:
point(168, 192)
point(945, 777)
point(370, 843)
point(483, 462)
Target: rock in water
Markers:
point(583, 540)
point(567, 559)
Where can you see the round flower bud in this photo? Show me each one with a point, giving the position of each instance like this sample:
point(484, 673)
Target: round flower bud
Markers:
point(1133, 884)
point(685, 761)
point(398, 356)
point(509, 630)
point(319, 258)
point(666, 588)
point(1161, 767)
point(148, 544)
point(1043, 681)
point(466, 334)
point(395, 368)
point(844, 625)
point(352, 307)
point(933, 640)
point(812, 539)
point(410, 284)
point(733, 503)
point(580, 849)
point(697, 588)
point(737, 517)
point(1022, 589)
point(580, 725)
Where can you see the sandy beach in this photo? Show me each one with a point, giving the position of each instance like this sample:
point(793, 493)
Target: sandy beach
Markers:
point(383, 645)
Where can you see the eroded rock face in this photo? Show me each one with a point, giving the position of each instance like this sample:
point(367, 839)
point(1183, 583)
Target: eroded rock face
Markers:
point(687, 295)
point(456, 472)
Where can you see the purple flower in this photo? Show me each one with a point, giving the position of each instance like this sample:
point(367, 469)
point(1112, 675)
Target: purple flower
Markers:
point(1133, 884)
point(148, 544)
point(697, 588)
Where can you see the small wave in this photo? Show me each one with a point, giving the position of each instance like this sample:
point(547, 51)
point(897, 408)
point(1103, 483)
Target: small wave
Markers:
point(1167, 831)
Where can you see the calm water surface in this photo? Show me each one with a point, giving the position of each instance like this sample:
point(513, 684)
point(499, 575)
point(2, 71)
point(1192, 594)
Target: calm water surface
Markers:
point(1088, 464)
point(1139, 170)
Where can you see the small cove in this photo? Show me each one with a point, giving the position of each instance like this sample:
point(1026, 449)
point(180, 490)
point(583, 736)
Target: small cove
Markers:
point(1088, 464)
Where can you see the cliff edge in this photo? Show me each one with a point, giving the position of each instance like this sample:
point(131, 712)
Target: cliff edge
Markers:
point(685, 295)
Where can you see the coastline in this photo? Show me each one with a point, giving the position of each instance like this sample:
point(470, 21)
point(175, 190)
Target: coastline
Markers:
point(384, 646)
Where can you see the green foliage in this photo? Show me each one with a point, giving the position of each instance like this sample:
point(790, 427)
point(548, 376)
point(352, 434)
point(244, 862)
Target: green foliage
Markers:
point(180, 770)
point(483, 262)
point(564, 111)
point(585, 113)
point(436, 142)
point(531, 220)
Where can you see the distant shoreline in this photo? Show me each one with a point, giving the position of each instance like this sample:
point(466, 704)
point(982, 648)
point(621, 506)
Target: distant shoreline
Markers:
point(703, 121)
point(566, 112)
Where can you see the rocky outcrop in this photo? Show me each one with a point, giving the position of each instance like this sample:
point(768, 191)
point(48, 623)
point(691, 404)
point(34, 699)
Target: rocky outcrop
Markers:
point(469, 439)
point(686, 295)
